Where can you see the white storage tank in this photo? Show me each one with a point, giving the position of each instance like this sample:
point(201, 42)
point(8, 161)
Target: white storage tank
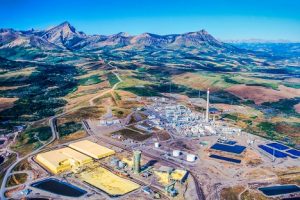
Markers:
point(156, 145)
point(176, 153)
point(190, 157)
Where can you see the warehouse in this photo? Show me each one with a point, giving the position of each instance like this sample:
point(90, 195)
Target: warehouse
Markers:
point(79, 158)
point(92, 149)
point(60, 160)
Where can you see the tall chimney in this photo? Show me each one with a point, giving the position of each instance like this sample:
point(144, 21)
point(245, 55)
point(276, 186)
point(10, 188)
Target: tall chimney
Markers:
point(207, 106)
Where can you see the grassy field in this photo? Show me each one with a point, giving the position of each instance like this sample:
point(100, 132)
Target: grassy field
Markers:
point(69, 128)
point(112, 78)
point(91, 80)
point(11, 159)
point(31, 139)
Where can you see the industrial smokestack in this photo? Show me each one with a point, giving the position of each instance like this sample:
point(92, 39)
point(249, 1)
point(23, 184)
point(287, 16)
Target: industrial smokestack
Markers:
point(207, 106)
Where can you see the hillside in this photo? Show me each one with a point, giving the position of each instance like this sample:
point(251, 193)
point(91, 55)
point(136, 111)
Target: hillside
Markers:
point(44, 72)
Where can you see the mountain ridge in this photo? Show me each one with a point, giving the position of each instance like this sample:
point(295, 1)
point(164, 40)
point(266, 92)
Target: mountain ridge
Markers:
point(65, 36)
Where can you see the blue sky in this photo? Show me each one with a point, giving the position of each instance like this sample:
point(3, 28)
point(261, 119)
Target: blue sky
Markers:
point(224, 19)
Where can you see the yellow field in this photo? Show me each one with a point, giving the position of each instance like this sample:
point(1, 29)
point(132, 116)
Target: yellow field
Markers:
point(108, 182)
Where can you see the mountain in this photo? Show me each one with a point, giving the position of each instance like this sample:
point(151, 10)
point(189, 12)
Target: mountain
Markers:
point(10, 38)
point(66, 37)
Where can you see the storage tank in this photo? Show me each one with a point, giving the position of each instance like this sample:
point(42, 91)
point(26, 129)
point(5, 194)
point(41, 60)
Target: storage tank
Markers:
point(156, 145)
point(137, 161)
point(121, 164)
point(176, 153)
point(191, 157)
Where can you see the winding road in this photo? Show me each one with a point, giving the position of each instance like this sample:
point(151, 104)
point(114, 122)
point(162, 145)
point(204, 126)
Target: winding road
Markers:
point(55, 135)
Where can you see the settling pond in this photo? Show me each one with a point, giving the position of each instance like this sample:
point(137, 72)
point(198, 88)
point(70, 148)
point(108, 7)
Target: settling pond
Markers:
point(225, 158)
point(279, 189)
point(59, 187)
point(237, 149)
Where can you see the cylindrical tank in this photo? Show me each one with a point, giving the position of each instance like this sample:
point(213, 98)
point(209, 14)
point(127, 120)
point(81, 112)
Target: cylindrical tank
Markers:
point(176, 153)
point(156, 145)
point(190, 157)
point(137, 161)
point(121, 164)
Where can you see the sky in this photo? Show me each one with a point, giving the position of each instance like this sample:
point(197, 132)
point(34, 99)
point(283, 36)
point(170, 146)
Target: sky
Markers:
point(224, 19)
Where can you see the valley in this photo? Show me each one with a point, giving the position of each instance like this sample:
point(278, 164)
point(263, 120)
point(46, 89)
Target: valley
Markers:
point(58, 85)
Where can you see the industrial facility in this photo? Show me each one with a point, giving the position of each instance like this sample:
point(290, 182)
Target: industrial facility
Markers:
point(60, 160)
point(92, 149)
point(74, 156)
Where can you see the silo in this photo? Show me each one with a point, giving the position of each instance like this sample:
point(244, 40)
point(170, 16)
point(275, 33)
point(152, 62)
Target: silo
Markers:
point(137, 161)
point(190, 157)
point(156, 145)
point(176, 153)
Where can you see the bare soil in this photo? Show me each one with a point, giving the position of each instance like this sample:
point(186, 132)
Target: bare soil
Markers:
point(261, 94)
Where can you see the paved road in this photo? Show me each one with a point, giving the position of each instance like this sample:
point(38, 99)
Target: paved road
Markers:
point(8, 171)
point(199, 192)
point(55, 135)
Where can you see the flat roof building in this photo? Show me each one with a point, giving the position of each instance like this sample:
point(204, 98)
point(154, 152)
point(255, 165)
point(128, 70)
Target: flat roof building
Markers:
point(60, 160)
point(92, 149)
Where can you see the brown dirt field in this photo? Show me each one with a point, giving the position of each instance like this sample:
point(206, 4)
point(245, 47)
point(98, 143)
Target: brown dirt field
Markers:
point(297, 108)
point(162, 135)
point(252, 158)
point(261, 94)
point(199, 81)
point(285, 119)
point(253, 195)
point(238, 109)
point(6, 103)
point(81, 97)
point(231, 193)
point(258, 173)
point(289, 175)
point(74, 136)
point(89, 112)
point(291, 130)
